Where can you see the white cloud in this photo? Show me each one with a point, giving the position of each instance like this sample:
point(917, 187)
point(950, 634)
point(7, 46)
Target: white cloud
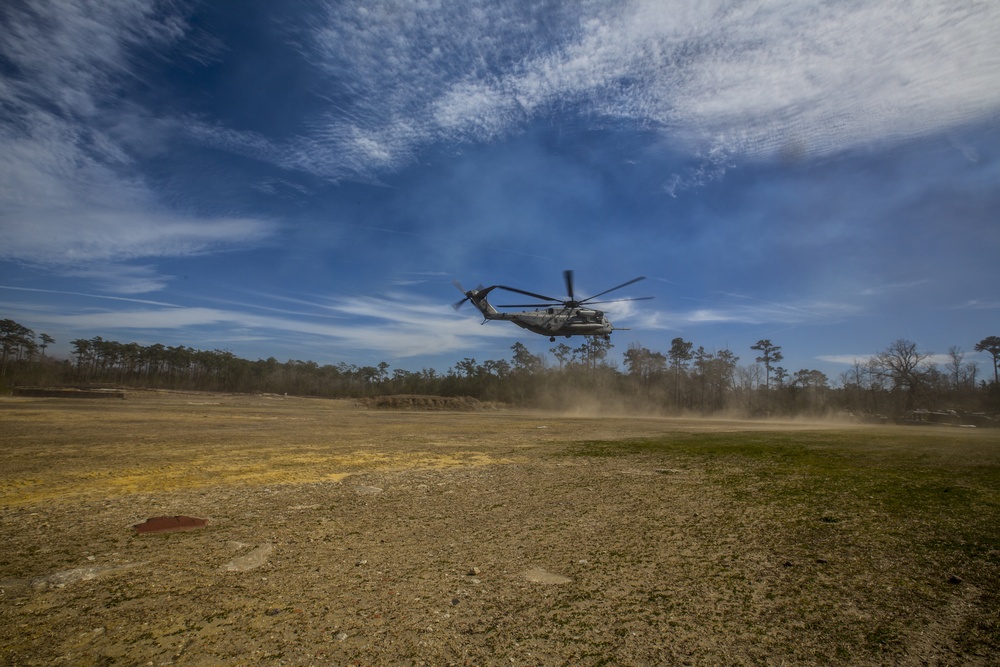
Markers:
point(891, 288)
point(70, 199)
point(399, 325)
point(120, 278)
point(752, 79)
point(77, 239)
point(851, 359)
point(741, 309)
point(85, 295)
point(70, 52)
point(978, 304)
point(845, 359)
point(724, 80)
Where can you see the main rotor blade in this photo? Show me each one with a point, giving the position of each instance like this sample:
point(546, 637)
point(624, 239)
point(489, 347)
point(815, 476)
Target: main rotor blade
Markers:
point(532, 294)
point(560, 304)
point(634, 280)
point(568, 277)
point(635, 298)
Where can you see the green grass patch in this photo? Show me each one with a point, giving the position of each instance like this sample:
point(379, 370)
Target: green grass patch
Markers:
point(898, 470)
point(895, 532)
point(948, 481)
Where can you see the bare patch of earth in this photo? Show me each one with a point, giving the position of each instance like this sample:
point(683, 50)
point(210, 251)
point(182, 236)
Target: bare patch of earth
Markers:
point(338, 535)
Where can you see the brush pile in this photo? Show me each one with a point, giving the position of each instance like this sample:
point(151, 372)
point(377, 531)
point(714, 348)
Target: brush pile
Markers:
point(420, 402)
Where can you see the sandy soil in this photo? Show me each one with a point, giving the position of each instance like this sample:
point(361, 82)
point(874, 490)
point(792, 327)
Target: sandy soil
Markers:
point(339, 535)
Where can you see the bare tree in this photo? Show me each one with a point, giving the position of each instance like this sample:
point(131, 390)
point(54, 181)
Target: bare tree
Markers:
point(563, 354)
point(524, 361)
point(594, 351)
point(904, 365)
point(746, 380)
point(955, 366)
point(644, 364)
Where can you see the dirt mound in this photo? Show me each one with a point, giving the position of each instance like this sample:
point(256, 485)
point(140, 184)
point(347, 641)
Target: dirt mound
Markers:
point(419, 402)
point(67, 392)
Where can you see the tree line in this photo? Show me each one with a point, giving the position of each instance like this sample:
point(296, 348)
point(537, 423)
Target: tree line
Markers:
point(683, 379)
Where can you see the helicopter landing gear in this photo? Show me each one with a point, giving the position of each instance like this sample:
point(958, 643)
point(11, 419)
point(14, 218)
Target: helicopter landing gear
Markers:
point(552, 339)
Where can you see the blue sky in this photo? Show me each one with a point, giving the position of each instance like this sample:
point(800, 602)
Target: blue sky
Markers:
point(305, 179)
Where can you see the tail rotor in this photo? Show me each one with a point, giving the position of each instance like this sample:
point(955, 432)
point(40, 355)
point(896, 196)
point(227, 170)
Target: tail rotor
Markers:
point(468, 294)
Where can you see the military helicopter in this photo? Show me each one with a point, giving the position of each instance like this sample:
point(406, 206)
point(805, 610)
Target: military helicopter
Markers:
point(553, 317)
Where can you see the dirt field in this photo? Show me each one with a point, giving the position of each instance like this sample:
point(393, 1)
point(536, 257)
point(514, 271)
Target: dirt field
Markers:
point(341, 535)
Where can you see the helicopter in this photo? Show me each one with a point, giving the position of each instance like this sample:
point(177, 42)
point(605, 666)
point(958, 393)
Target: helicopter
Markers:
point(553, 317)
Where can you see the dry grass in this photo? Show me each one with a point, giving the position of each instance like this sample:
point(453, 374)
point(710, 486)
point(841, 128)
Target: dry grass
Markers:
point(489, 537)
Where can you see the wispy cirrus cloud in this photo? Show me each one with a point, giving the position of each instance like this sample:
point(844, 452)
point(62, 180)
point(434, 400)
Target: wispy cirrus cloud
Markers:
point(86, 295)
point(397, 325)
point(979, 304)
point(846, 359)
point(83, 237)
point(742, 309)
point(68, 54)
point(754, 79)
point(721, 82)
point(892, 288)
point(71, 197)
point(862, 359)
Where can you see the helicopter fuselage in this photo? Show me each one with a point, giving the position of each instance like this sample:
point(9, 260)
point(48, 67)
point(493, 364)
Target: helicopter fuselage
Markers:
point(553, 321)
point(560, 321)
